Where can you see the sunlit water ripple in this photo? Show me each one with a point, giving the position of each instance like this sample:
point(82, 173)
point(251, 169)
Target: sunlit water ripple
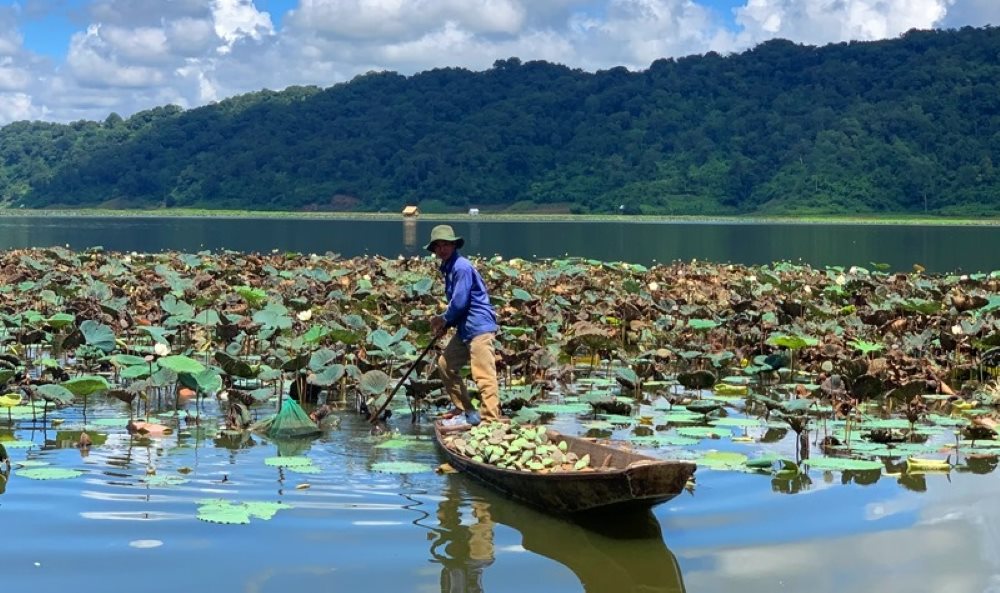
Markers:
point(352, 529)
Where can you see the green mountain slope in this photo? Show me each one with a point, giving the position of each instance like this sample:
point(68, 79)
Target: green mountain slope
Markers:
point(909, 125)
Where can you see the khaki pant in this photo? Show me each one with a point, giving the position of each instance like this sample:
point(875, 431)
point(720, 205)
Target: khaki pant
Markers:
point(484, 372)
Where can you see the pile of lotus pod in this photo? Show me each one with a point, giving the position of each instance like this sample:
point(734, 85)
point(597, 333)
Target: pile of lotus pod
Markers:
point(517, 447)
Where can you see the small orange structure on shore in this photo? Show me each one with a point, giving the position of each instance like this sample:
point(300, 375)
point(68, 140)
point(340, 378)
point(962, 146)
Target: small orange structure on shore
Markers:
point(411, 211)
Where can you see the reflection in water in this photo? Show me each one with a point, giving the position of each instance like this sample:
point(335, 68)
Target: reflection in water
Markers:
point(463, 550)
point(619, 553)
point(409, 236)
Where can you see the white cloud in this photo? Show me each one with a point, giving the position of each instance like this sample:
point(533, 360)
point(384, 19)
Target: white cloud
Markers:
point(395, 20)
point(636, 32)
point(139, 44)
point(13, 77)
point(239, 19)
point(827, 21)
point(19, 106)
point(191, 37)
point(93, 62)
point(130, 55)
point(135, 13)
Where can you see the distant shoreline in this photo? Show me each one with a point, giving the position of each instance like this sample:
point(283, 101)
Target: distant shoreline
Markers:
point(896, 219)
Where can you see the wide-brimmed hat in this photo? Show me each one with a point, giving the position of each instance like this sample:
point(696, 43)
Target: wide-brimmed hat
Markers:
point(444, 232)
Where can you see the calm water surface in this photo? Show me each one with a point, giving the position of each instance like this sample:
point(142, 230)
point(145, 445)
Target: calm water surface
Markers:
point(938, 249)
point(356, 530)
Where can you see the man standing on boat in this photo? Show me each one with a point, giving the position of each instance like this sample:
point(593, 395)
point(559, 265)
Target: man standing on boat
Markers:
point(470, 312)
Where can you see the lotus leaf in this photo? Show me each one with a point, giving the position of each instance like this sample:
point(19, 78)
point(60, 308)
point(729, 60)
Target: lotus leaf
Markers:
point(792, 342)
point(663, 440)
point(915, 464)
point(316, 334)
point(98, 335)
point(181, 364)
point(86, 385)
point(724, 460)
point(159, 481)
point(401, 467)
point(703, 432)
point(61, 320)
point(126, 360)
point(304, 469)
point(270, 318)
point(49, 473)
point(208, 381)
point(294, 461)
point(142, 371)
point(843, 464)
point(240, 513)
point(235, 367)
point(702, 324)
point(697, 379)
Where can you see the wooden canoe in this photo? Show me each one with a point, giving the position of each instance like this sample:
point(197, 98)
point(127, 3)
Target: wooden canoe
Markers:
point(622, 480)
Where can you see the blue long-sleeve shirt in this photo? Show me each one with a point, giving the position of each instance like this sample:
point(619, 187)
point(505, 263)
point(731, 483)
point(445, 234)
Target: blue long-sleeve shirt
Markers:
point(469, 307)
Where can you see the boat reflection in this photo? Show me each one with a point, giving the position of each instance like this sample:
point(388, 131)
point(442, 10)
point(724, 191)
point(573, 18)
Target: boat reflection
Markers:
point(618, 553)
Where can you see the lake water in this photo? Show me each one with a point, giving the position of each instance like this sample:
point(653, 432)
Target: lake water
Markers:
point(936, 248)
point(353, 529)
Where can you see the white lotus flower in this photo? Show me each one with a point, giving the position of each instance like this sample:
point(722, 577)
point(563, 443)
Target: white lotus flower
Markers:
point(957, 330)
point(841, 280)
point(161, 349)
point(653, 286)
point(305, 315)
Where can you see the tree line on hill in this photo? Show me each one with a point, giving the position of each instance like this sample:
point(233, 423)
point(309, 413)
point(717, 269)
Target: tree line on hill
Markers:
point(908, 125)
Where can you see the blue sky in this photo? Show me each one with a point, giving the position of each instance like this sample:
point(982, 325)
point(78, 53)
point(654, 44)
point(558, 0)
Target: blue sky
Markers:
point(62, 60)
point(50, 35)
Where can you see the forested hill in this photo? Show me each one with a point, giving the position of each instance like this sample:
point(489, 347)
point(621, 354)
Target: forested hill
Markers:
point(905, 125)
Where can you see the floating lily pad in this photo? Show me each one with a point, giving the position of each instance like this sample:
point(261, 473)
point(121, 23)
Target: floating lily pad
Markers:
point(947, 420)
point(165, 480)
point(740, 422)
point(562, 408)
point(723, 460)
point(618, 420)
point(703, 432)
point(304, 469)
point(679, 417)
point(291, 461)
point(239, 513)
point(843, 464)
point(109, 422)
point(887, 423)
point(49, 473)
point(401, 467)
point(769, 462)
point(670, 440)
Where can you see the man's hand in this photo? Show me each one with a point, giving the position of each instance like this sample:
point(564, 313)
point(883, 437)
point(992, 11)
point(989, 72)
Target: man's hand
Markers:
point(437, 324)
